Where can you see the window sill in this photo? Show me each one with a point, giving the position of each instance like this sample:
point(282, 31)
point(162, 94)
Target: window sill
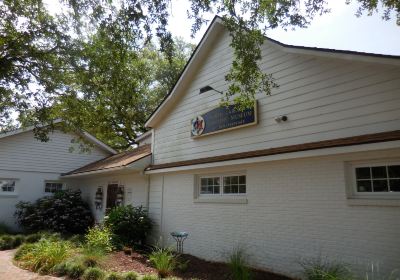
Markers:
point(221, 200)
point(381, 202)
point(8, 195)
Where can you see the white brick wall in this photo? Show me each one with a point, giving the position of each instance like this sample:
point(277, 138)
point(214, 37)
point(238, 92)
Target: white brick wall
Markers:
point(296, 209)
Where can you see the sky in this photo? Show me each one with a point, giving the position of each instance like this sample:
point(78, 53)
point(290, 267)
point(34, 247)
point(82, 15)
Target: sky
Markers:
point(340, 29)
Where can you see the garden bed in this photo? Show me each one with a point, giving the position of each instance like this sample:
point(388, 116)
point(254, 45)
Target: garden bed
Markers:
point(196, 269)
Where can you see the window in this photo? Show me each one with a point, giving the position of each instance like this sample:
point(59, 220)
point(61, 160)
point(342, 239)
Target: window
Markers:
point(52, 187)
point(7, 185)
point(378, 179)
point(220, 185)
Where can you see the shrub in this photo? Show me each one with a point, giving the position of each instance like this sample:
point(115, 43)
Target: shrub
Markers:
point(238, 265)
point(18, 240)
point(32, 238)
point(64, 212)
point(130, 224)
point(164, 261)
point(114, 276)
point(99, 238)
point(93, 273)
point(6, 242)
point(77, 239)
point(150, 277)
point(23, 250)
point(75, 270)
point(4, 229)
point(60, 269)
point(43, 255)
point(130, 276)
point(318, 269)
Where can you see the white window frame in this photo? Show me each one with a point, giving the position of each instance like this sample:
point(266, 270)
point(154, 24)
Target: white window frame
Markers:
point(54, 182)
point(221, 187)
point(370, 195)
point(7, 193)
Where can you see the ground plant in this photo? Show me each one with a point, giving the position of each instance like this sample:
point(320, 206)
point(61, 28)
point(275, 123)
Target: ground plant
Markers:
point(238, 265)
point(131, 224)
point(114, 276)
point(75, 270)
point(131, 276)
point(43, 255)
point(93, 273)
point(164, 260)
point(324, 269)
point(99, 238)
point(65, 212)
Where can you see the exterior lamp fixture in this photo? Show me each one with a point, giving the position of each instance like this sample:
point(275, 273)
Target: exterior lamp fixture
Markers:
point(120, 196)
point(98, 200)
point(208, 88)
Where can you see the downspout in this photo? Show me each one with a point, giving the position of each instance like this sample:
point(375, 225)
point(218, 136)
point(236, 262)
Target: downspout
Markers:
point(162, 213)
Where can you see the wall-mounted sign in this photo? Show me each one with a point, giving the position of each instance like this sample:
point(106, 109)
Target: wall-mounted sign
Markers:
point(223, 118)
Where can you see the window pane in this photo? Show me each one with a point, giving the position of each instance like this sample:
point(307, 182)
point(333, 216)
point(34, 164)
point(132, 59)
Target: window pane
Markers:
point(216, 181)
point(242, 189)
point(364, 186)
point(395, 185)
point(216, 189)
point(227, 180)
point(380, 186)
point(379, 172)
point(242, 180)
point(203, 181)
point(234, 180)
point(235, 189)
point(210, 181)
point(394, 171)
point(227, 189)
point(363, 173)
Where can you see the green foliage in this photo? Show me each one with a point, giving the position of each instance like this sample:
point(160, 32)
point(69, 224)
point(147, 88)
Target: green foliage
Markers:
point(64, 212)
point(164, 260)
point(6, 242)
point(150, 277)
point(42, 256)
point(319, 269)
point(99, 238)
point(238, 265)
point(32, 238)
point(23, 250)
point(60, 269)
point(130, 276)
point(131, 224)
point(4, 229)
point(75, 270)
point(93, 273)
point(114, 276)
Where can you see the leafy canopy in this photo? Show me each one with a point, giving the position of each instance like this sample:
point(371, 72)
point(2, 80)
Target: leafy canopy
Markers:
point(103, 65)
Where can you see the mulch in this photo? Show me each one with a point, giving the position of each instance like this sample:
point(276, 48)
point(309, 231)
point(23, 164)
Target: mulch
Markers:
point(197, 268)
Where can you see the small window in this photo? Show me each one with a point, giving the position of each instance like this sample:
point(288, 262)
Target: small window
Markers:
point(378, 179)
point(53, 187)
point(220, 185)
point(7, 185)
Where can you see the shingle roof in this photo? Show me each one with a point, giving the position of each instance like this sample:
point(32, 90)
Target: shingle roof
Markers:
point(114, 161)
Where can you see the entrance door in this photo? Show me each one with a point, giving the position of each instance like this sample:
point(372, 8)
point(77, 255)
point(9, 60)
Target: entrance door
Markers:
point(112, 190)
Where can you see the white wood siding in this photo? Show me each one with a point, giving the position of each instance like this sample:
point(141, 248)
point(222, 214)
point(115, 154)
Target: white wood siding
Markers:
point(297, 209)
point(324, 98)
point(23, 152)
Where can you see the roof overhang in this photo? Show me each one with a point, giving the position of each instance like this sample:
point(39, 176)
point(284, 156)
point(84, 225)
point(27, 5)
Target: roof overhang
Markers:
point(137, 166)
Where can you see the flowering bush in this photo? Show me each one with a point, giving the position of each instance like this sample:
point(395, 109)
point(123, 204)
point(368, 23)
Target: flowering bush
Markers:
point(65, 212)
point(130, 224)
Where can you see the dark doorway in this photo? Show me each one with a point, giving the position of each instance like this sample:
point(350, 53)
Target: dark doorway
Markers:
point(112, 191)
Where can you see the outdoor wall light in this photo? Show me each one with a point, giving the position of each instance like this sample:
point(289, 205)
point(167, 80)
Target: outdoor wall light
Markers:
point(281, 119)
point(98, 200)
point(208, 88)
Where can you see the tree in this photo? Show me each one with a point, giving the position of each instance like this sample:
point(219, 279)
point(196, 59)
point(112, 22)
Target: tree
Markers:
point(41, 54)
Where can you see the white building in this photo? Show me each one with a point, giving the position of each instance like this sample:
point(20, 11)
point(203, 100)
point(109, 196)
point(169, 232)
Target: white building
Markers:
point(312, 171)
point(325, 182)
point(30, 169)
